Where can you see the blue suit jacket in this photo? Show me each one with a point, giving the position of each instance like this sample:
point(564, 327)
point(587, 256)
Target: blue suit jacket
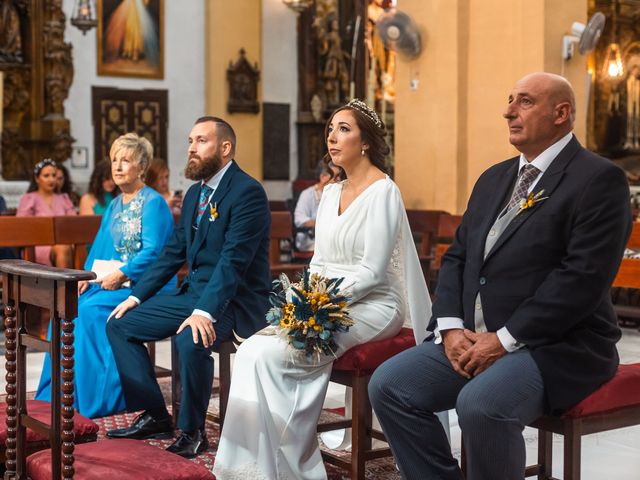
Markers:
point(228, 258)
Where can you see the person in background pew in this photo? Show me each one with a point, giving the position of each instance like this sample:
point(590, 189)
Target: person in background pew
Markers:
point(102, 189)
point(362, 236)
point(158, 179)
point(41, 200)
point(223, 236)
point(522, 313)
point(64, 184)
point(133, 231)
point(306, 210)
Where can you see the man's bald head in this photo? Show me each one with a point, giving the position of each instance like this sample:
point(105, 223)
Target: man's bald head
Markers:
point(541, 111)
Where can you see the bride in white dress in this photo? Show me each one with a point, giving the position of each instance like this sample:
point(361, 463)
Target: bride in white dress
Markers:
point(362, 234)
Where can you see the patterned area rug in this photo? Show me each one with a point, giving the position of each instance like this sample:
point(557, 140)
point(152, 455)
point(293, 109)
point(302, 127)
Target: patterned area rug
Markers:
point(381, 469)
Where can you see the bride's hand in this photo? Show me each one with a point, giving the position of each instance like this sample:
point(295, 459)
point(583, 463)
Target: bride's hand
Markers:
point(113, 281)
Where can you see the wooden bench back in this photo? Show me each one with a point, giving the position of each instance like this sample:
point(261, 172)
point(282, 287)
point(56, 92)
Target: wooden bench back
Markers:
point(628, 275)
point(26, 233)
point(424, 226)
point(77, 231)
point(447, 227)
point(634, 239)
point(281, 229)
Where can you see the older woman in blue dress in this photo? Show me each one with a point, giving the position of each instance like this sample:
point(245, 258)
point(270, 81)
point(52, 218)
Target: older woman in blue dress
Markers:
point(133, 232)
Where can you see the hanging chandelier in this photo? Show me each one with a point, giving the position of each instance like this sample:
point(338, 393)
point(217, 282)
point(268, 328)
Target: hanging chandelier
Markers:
point(298, 6)
point(84, 17)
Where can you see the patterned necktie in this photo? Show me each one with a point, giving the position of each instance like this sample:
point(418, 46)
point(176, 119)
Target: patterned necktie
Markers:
point(527, 176)
point(205, 191)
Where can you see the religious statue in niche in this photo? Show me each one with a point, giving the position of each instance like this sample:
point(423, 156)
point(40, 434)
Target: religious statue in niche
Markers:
point(632, 138)
point(243, 86)
point(10, 40)
point(335, 73)
point(382, 61)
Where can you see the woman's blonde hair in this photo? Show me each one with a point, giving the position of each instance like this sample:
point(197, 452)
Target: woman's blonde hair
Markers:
point(140, 148)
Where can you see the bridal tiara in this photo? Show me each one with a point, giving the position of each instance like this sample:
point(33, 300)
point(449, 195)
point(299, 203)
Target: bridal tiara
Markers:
point(365, 109)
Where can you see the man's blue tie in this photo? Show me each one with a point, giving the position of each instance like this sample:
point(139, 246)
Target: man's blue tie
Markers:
point(205, 192)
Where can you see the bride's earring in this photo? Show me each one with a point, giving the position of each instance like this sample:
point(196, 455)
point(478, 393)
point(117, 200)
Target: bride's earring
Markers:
point(362, 152)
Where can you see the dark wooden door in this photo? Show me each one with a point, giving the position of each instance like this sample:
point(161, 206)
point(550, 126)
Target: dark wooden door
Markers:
point(117, 111)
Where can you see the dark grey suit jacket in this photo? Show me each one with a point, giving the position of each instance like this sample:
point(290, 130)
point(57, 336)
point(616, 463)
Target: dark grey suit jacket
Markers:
point(548, 276)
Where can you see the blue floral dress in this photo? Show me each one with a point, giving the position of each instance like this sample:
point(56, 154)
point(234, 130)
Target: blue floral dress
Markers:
point(135, 234)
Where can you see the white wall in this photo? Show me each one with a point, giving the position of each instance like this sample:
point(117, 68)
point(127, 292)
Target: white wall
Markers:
point(183, 78)
point(280, 78)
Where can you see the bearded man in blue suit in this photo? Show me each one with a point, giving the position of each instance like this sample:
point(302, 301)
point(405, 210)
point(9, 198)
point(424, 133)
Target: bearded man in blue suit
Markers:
point(223, 236)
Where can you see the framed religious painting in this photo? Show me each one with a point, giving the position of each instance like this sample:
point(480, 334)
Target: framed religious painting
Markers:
point(131, 38)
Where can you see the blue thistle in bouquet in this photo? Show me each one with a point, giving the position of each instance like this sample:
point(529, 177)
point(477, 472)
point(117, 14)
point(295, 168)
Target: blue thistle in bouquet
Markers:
point(310, 312)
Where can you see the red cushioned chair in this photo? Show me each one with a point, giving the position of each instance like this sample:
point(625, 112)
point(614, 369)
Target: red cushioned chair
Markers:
point(121, 460)
point(616, 404)
point(84, 429)
point(25, 284)
point(354, 369)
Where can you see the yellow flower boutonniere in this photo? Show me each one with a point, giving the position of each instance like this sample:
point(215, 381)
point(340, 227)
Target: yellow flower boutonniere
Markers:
point(532, 200)
point(213, 209)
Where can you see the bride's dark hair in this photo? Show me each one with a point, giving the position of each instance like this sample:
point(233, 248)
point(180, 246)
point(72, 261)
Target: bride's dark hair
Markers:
point(372, 131)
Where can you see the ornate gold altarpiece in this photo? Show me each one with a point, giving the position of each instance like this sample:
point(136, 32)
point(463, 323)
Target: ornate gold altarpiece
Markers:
point(37, 68)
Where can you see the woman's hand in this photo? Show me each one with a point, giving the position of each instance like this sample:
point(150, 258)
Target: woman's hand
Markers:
point(113, 281)
point(82, 286)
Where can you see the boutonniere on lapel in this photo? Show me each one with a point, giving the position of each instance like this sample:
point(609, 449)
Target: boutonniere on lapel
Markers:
point(531, 200)
point(213, 209)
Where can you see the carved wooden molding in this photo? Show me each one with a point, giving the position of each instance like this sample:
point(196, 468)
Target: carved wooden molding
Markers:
point(243, 86)
point(38, 72)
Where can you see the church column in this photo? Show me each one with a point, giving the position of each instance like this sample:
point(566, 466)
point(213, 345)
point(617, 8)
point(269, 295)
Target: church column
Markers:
point(230, 26)
point(450, 128)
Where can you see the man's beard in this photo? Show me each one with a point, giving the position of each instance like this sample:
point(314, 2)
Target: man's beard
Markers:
point(205, 168)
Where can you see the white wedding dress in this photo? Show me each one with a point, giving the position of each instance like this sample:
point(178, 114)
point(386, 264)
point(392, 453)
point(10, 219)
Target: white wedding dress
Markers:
point(277, 393)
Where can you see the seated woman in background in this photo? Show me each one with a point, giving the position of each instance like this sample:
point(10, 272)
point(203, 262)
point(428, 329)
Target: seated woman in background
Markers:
point(41, 200)
point(64, 184)
point(158, 179)
point(102, 190)
point(304, 216)
point(133, 232)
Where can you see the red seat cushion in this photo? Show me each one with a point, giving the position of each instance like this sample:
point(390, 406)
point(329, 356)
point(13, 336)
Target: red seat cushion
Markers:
point(121, 460)
point(623, 390)
point(41, 410)
point(364, 359)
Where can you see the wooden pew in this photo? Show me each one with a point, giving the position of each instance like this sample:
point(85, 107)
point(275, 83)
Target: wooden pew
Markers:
point(447, 226)
point(424, 227)
point(627, 281)
point(26, 233)
point(77, 231)
point(281, 229)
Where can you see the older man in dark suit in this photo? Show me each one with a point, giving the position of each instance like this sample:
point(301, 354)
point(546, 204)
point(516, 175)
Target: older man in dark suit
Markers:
point(223, 236)
point(523, 319)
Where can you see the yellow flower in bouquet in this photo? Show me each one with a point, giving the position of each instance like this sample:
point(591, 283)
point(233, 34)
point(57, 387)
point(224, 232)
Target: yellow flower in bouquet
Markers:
point(310, 312)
